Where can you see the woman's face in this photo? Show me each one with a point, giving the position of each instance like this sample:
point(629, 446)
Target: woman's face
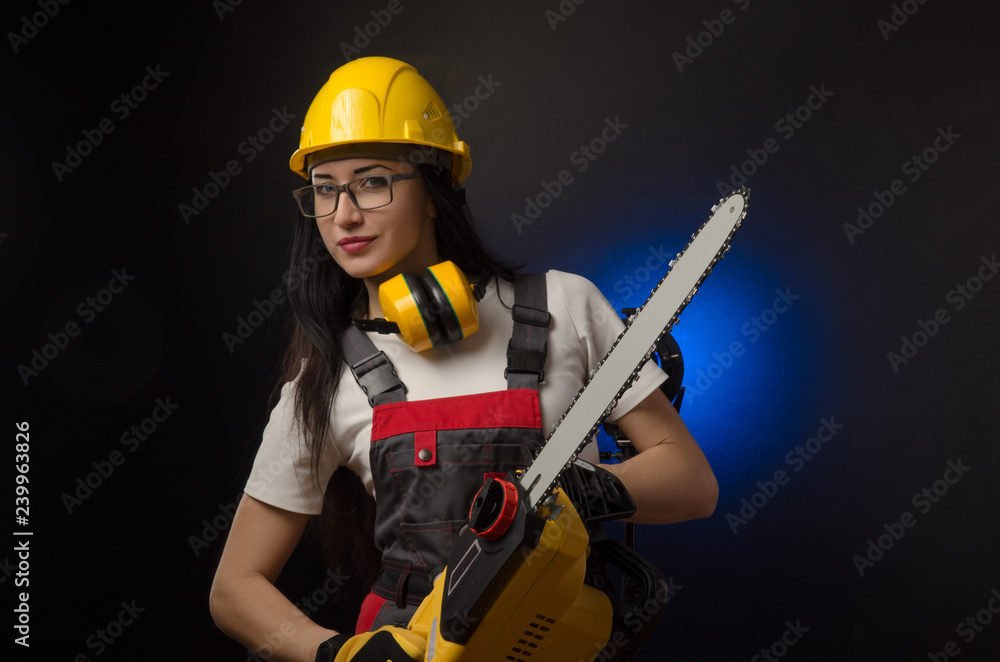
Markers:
point(379, 243)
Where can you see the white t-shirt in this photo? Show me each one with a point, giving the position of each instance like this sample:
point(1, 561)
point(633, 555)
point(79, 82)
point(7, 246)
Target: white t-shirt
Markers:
point(583, 328)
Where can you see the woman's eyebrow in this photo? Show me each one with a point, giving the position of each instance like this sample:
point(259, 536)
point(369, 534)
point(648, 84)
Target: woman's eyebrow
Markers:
point(367, 168)
point(356, 172)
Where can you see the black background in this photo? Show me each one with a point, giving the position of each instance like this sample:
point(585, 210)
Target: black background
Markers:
point(554, 83)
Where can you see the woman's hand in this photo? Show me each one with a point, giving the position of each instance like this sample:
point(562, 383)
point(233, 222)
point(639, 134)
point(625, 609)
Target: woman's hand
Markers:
point(244, 602)
point(670, 479)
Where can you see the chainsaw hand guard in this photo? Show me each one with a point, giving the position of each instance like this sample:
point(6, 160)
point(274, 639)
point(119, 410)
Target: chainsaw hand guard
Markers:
point(597, 494)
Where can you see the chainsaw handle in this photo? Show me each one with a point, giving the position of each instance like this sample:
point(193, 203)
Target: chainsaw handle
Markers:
point(637, 617)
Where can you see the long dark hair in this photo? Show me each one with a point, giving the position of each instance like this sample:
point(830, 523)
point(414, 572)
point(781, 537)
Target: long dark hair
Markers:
point(321, 305)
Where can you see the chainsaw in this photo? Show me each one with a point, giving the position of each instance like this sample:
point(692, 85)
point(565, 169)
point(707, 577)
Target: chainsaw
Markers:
point(513, 588)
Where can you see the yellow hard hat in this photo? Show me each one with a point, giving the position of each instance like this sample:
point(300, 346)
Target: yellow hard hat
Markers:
point(378, 100)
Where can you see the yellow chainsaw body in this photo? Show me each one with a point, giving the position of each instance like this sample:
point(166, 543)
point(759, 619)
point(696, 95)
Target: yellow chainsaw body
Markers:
point(542, 612)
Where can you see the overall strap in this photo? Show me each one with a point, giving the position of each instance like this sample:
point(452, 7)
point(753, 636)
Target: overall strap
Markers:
point(527, 348)
point(371, 368)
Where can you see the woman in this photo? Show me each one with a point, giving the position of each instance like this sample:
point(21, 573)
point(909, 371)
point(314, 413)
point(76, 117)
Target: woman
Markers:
point(385, 167)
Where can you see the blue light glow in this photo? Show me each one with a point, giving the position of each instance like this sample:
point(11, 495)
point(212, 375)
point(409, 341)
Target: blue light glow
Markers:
point(747, 358)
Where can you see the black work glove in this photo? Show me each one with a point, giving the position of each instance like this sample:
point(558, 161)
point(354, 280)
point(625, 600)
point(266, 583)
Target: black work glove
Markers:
point(387, 644)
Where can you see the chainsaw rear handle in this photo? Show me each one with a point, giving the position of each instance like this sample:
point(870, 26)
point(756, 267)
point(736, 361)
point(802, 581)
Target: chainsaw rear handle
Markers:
point(633, 617)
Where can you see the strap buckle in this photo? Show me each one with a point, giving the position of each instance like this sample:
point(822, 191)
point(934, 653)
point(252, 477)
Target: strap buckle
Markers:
point(526, 360)
point(376, 376)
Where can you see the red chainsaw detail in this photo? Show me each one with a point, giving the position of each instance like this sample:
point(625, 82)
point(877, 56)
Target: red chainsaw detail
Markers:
point(507, 511)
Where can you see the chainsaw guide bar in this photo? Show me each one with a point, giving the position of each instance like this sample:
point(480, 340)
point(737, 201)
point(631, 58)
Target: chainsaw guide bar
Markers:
point(635, 344)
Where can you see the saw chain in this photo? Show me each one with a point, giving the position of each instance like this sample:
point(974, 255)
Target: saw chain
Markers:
point(635, 344)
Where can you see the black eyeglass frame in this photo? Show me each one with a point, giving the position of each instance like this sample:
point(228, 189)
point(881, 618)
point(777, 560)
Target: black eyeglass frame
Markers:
point(302, 194)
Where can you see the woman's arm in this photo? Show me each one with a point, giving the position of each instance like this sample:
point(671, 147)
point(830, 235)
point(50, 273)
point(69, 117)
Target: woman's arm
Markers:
point(670, 479)
point(244, 602)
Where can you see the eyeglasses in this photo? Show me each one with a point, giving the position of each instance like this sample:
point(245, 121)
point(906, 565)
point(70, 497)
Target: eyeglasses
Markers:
point(369, 192)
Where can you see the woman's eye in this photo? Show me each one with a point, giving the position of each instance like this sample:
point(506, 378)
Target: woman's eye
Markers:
point(325, 189)
point(374, 183)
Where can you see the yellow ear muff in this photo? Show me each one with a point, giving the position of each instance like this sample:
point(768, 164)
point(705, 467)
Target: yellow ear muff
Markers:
point(400, 306)
point(461, 303)
point(434, 307)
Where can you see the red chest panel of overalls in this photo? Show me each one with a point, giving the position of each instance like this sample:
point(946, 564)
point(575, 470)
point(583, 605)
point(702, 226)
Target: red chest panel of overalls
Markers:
point(430, 457)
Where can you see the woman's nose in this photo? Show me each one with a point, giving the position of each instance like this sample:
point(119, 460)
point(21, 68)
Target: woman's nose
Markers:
point(347, 212)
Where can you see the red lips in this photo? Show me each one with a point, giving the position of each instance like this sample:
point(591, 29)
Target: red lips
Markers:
point(355, 244)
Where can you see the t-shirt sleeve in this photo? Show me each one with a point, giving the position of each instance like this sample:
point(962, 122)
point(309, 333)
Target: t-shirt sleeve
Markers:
point(598, 326)
point(282, 474)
